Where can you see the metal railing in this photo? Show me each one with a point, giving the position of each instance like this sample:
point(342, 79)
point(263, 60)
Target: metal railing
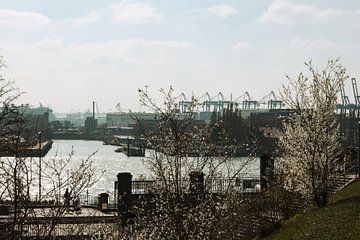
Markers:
point(352, 169)
point(140, 187)
point(237, 184)
point(215, 185)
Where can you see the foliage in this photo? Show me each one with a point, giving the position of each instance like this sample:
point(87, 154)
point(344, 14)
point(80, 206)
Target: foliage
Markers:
point(228, 122)
point(183, 145)
point(186, 165)
point(337, 220)
point(310, 141)
point(19, 175)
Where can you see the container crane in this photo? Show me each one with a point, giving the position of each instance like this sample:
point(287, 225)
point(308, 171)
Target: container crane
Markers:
point(206, 102)
point(219, 102)
point(345, 102)
point(272, 101)
point(184, 103)
point(247, 102)
point(355, 91)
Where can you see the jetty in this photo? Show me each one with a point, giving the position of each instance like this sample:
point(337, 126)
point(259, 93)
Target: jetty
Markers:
point(37, 150)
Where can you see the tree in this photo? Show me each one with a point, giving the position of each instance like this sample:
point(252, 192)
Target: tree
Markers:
point(310, 141)
point(230, 122)
point(195, 194)
point(18, 176)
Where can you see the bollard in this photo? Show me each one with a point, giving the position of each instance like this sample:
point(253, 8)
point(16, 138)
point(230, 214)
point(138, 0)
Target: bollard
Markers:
point(103, 201)
point(124, 195)
point(196, 182)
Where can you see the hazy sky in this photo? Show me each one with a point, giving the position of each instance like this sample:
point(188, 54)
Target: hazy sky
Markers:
point(67, 53)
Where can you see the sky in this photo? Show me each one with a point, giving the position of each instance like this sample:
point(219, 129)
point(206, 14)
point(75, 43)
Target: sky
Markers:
point(66, 54)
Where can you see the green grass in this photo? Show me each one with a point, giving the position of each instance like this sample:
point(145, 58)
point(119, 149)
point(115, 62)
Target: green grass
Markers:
point(340, 219)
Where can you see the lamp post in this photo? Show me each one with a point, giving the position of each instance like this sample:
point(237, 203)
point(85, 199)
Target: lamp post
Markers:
point(39, 133)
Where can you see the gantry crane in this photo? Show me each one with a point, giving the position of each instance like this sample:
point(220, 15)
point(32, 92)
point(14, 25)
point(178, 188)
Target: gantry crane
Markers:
point(246, 101)
point(271, 101)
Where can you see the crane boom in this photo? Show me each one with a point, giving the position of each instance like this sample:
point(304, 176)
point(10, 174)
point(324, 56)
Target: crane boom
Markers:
point(355, 91)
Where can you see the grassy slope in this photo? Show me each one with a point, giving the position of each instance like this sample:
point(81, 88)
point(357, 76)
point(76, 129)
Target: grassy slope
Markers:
point(340, 219)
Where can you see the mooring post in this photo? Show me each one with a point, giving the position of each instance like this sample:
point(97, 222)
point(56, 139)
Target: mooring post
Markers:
point(103, 201)
point(196, 182)
point(124, 195)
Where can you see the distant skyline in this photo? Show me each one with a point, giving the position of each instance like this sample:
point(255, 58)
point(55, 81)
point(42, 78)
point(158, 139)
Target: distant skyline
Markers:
point(66, 54)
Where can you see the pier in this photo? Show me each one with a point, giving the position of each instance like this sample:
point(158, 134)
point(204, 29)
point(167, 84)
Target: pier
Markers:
point(37, 150)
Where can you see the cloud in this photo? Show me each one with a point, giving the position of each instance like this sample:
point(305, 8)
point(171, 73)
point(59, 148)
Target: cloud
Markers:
point(241, 45)
point(356, 13)
point(22, 20)
point(355, 17)
point(305, 45)
point(134, 12)
point(288, 13)
point(109, 70)
point(222, 10)
point(134, 51)
point(91, 17)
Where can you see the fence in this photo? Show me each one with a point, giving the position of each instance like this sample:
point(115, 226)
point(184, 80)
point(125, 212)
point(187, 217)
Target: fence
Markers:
point(215, 185)
point(140, 187)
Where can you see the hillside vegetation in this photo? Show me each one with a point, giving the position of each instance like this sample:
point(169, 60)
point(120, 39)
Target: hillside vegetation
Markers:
point(339, 219)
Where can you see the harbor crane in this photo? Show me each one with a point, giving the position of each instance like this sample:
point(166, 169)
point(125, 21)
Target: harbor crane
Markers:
point(272, 101)
point(355, 91)
point(246, 101)
point(205, 99)
point(345, 102)
point(184, 103)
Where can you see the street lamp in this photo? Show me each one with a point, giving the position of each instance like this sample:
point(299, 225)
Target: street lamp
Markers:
point(39, 134)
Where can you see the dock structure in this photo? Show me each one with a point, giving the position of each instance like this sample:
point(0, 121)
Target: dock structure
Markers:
point(37, 150)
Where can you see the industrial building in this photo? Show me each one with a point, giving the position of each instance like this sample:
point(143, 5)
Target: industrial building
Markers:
point(126, 119)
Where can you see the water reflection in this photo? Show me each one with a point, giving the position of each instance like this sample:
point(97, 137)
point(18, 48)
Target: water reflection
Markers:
point(108, 163)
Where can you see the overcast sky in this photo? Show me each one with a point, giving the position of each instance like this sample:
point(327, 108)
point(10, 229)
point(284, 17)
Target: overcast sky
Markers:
point(67, 53)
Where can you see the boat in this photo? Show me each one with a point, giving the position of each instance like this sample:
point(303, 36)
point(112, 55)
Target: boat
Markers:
point(120, 149)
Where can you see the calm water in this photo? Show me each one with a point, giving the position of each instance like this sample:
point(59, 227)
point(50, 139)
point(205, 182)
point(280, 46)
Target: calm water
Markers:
point(111, 163)
point(106, 161)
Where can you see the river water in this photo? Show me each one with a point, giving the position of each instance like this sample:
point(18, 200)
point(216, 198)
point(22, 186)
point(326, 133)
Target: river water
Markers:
point(106, 161)
point(109, 163)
